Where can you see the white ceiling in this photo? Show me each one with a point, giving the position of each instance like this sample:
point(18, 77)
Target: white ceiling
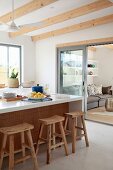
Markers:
point(51, 10)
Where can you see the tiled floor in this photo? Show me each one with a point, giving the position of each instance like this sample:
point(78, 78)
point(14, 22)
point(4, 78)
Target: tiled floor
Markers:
point(99, 156)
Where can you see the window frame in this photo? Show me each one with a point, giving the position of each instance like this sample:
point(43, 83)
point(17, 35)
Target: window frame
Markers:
point(20, 49)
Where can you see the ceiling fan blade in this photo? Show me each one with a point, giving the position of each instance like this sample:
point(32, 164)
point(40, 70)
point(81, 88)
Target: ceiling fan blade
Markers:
point(3, 26)
point(36, 24)
point(2, 23)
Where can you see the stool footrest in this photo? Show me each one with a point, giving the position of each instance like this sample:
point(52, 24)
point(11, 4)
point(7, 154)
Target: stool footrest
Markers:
point(57, 145)
point(42, 141)
point(79, 127)
point(57, 135)
point(26, 146)
point(80, 136)
point(22, 159)
point(67, 132)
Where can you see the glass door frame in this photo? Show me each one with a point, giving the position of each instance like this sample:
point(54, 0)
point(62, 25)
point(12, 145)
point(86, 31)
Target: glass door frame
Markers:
point(84, 70)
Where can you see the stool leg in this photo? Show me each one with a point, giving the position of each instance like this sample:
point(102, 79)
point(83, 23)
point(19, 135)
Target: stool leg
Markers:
point(85, 131)
point(73, 131)
point(11, 152)
point(53, 135)
point(48, 143)
point(39, 136)
point(64, 138)
point(32, 149)
point(23, 144)
point(2, 150)
point(65, 124)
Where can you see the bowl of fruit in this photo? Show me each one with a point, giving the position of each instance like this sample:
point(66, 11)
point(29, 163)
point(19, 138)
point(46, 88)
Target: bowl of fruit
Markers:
point(36, 96)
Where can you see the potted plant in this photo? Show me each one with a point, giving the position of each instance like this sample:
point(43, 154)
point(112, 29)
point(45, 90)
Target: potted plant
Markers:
point(13, 79)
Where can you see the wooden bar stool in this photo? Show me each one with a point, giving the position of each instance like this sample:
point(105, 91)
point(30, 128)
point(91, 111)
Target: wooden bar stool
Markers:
point(10, 132)
point(51, 134)
point(73, 117)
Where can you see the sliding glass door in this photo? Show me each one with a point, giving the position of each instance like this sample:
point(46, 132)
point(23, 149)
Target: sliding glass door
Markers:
point(72, 65)
point(71, 70)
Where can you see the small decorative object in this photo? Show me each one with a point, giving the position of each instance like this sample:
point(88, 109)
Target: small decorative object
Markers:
point(109, 104)
point(89, 65)
point(46, 90)
point(76, 72)
point(90, 73)
point(13, 80)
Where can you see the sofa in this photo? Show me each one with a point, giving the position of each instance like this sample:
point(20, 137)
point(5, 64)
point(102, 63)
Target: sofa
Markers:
point(98, 100)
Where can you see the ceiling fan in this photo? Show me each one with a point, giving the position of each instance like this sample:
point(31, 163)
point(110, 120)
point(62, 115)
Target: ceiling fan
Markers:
point(12, 27)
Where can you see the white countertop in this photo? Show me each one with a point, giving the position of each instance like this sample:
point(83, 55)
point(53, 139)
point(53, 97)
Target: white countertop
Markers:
point(21, 105)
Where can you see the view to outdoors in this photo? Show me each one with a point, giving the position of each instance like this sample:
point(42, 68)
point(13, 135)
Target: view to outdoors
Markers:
point(9, 59)
point(71, 72)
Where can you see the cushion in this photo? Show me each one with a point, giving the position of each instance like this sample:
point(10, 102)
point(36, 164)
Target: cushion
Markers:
point(92, 99)
point(90, 89)
point(105, 96)
point(98, 89)
point(106, 90)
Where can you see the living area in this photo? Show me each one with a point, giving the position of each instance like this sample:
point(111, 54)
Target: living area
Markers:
point(100, 83)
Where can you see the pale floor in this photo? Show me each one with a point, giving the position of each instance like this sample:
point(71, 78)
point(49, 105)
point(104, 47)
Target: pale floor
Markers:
point(99, 156)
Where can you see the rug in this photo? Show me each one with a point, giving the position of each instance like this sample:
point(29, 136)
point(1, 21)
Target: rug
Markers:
point(103, 113)
point(100, 115)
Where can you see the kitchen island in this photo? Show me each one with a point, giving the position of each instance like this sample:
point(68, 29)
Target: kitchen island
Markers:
point(16, 112)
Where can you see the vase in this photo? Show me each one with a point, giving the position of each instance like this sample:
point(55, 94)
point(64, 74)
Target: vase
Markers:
point(13, 83)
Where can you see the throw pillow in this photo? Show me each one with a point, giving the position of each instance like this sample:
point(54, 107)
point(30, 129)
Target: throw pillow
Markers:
point(98, 89)
point(106, 90)
point(91, 89)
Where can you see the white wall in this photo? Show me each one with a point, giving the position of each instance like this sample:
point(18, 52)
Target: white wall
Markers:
point(28, 56)
point(104, 56)
point(90, 56)
point(46, 51)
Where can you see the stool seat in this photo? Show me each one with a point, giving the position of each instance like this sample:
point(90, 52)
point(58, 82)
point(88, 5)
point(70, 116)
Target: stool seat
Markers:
point(16, 129)
point(75, 114)
point(52, 120)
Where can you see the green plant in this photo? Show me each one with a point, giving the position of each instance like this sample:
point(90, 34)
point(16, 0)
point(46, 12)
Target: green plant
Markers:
point(14, 73)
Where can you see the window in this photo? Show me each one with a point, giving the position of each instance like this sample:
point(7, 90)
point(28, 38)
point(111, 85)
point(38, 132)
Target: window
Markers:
point(10, 57)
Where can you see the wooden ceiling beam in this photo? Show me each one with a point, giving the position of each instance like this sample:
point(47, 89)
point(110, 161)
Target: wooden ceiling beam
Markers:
point(109, 46)
point(75, 27)
point(92, 49)
point(25, 9)
point(83, 10)
point(98, 41)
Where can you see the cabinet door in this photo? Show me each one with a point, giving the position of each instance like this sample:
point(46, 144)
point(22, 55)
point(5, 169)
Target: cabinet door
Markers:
point(71, 70)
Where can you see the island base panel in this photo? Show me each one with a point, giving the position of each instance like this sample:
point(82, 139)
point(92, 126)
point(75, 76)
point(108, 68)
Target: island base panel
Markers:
point(33, 115)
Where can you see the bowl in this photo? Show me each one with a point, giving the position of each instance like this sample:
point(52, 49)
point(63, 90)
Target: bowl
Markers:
point(28, 84)
point(8, 95)
point(2, 85)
